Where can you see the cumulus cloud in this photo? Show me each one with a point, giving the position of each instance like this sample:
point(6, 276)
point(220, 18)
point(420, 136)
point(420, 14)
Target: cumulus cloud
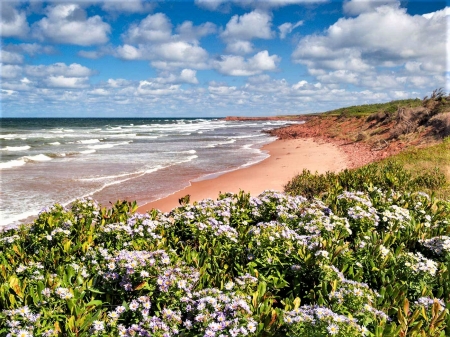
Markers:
point(59, 69)
point(31, 49)
point(69, 24)
point(10, 57)
point(179, 54)
point(385, 37)
point(287, 27)
point(128, 6)
point(152, 40)
point(214, 5)
point(188, 32)
point(241, 29)
point(156, 88)
point(156, 27)
point(66, 82)
point(10, 71)
point(188, 76)
point(185, 76)
point(238, 66)
point(356, 7)
point(13, 22)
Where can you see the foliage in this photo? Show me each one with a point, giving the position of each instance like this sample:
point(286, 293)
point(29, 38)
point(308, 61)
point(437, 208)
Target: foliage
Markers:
point(386, 175)
point(372, 263)
point(368, 109)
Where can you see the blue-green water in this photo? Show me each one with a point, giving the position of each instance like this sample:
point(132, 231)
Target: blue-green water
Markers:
point(44, 161)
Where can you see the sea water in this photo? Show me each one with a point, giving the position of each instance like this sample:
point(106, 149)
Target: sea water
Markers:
point(47, 161)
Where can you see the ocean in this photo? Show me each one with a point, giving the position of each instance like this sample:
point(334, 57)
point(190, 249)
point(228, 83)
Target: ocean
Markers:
point(45, 161)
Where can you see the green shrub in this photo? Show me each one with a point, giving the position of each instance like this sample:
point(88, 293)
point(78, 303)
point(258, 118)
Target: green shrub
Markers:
point(385, 175)
point(372, 263)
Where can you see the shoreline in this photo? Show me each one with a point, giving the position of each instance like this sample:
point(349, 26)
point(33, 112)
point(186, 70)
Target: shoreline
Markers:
point(287, 157)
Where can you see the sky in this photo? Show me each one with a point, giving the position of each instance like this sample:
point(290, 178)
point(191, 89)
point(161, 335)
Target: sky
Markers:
point(213, 58)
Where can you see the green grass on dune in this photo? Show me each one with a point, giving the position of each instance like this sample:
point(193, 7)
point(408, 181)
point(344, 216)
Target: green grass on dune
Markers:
point(425, 169)
point(368, 109)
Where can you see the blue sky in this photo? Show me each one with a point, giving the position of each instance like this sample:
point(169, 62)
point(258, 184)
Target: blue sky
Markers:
point(215, 58)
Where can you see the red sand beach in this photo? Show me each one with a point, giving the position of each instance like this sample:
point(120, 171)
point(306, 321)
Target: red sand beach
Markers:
point(287, 158)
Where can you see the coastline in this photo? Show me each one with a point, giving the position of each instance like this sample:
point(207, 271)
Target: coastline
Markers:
point(287, 157)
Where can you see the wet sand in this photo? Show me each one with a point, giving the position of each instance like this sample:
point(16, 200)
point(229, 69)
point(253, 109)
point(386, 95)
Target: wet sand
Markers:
point(287, 158)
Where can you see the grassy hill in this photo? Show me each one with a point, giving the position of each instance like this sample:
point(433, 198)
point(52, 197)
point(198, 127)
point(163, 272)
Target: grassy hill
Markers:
point(412, 133)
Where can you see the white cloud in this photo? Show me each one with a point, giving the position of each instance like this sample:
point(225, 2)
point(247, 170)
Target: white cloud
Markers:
point(30, 48)
point(13, 23)
point(128, 6)
point(116, 83)
point(385, 37)
point(188, 32)
point(10, 71)
point(99, 92)
point(128, 52)
point(68, 24)
point(188, 76)
point(156, 27)
point(66, 82)
point(10, 57)
point(181, 51)
point(241, 29)
point(238, 66)
point(287, 27)
point(155, 88)
point(176, 54)
point(152, 40)
point(185, 76)
point(251, 25)
point(356, 7)
point(214, 5)
point(59, 69)
point(239, 47)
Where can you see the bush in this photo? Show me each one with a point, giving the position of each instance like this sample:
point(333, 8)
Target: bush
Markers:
point(385, 175)
point(372, 263)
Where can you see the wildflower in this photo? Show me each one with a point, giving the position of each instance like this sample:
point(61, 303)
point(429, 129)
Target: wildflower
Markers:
point(24, 333)
point(98, 326)
point(333, 329)
point(188, 324)
point(134, 305)
point(229, 285)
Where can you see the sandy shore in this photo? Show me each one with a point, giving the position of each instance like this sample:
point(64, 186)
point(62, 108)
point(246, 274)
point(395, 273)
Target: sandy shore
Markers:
point(287, 158)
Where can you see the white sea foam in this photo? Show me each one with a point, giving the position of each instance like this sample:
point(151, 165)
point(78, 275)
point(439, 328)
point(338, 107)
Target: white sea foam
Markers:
point(38, 157)
point(249, 136)
point(113, 176)
point(115, 182)
point(107, 146)
point(54, 143)
point(9, 220)
point(88, 141)
point(231, 141)
point(87, 151)
point(16, 148)
point(23, 160)
point(11, 164)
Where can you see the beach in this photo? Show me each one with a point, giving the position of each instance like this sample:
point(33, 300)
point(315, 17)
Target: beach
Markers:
point(288, 157)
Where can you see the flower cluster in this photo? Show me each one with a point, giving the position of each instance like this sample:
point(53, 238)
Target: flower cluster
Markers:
point(440, 245)
point(20, 321)
point(396, 217)
point(214, 312)
point(318, 320)
point(418, 264)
